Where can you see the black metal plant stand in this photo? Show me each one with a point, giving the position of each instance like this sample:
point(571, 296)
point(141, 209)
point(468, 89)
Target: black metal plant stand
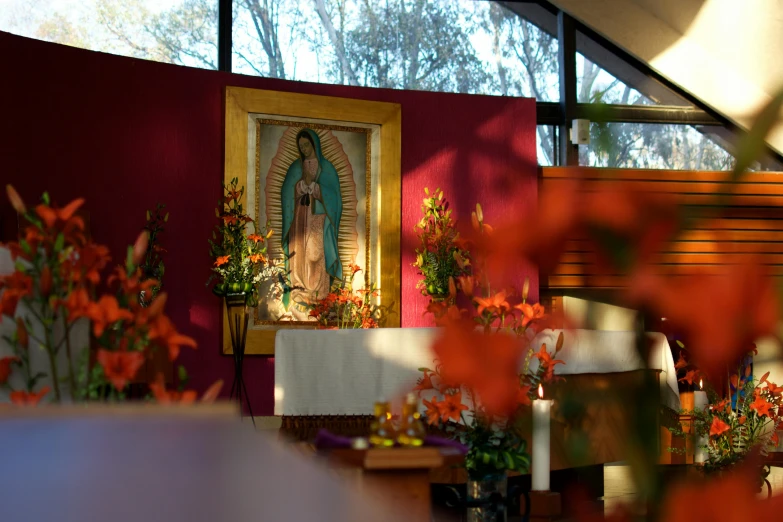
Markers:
point(238, 317)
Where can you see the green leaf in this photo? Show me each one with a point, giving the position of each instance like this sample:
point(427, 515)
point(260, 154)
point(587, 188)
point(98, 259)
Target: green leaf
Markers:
point(59, 243)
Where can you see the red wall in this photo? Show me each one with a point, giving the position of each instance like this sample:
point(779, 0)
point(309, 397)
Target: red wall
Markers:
point(126, 133)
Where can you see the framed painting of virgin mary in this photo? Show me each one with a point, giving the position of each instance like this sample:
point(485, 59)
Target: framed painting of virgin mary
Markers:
point(314, 170)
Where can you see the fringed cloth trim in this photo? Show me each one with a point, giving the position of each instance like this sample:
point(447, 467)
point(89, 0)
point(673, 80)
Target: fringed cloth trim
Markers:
point(303, 428)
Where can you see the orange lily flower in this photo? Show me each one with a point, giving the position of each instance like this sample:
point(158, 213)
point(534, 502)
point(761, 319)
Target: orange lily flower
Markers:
point(255, 238)
point(163, 333)
point(222, 260)
point(523, 396)
point(120, 367)
point(496, 303)
point(164, 396)
point(433, 411)
point(14, 286)
point(530, 312)
point(452, 407)
point(761, 406)
point(774, 388)
point(425, 383)
point(547, 362)
point(106, 312)
point(681, 363)
point(257, 258)
point(690, 376)
point(23, 398)
point(51, 216)
point(718, 427)
point(230, 220)
point(5, 368)
point(77, 303)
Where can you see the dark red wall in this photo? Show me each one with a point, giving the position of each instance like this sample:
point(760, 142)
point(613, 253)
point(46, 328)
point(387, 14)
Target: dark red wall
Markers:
point(126, 133)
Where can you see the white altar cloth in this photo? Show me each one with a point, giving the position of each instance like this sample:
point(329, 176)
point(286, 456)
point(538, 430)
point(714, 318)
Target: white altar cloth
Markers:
point(343, 372)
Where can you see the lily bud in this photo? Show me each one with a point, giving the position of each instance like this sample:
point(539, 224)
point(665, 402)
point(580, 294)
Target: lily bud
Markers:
point(479, 213)
point(45, 284)
point(15, 199)
point(140, 248)
point(156, 308)
point(452, 288)
point(269, 233)
point(466, 283)
point(21, 334)
point(525, 289)
point(474, 221)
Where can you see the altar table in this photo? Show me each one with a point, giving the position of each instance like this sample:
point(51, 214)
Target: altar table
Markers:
point(343, 372)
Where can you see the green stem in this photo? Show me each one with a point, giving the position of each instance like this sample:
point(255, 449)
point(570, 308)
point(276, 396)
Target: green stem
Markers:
point(71, 376)
point(52, 363)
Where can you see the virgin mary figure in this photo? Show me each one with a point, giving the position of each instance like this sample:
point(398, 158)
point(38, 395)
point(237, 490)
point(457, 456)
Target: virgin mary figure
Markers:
point(312, 207)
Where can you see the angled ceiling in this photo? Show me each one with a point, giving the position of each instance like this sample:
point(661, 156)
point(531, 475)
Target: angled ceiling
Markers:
point(726, 53)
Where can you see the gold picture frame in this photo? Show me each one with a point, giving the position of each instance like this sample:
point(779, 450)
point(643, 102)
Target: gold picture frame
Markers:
point(244, 107)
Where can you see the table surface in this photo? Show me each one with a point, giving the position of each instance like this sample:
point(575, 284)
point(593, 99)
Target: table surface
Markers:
point(136, 464)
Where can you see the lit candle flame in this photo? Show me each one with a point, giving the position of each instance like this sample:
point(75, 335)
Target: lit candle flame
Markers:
point(540, 392)
point(701, 384)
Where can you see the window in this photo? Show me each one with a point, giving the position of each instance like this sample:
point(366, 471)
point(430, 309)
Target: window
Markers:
point(433, 45)
point(546, 145)
point(652, 146)
point(175, 31)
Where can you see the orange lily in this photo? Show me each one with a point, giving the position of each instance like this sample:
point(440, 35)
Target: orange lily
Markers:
point(106, 312)
point(547, 362)
point(163, 333)
point(23, 398)
point(222, 260)
point(425, 383)
point(120, 367)
point(452, 407)
point(14, 286)
point(466, 284)
point(496, 303)
point(255, 238)
point(718, 427)
point(530, 312)
point(433, 411)
point(690, 376)
point(51, 216)
point(761, 406)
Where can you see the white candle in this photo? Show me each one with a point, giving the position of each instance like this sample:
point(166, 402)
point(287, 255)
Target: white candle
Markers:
point(541, 414)
point(699, 403)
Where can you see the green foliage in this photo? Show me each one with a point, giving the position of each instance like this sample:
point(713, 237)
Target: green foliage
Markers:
point(492, 450)
point(438, 258)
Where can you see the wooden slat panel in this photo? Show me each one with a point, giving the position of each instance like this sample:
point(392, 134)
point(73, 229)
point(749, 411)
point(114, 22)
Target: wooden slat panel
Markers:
point(709, 247)
point(682, 258)
point(681, 269)
point(751, 223)
point(676, 187)
point(548, 173)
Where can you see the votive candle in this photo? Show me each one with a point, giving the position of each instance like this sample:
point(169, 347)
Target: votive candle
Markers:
point(540, 464)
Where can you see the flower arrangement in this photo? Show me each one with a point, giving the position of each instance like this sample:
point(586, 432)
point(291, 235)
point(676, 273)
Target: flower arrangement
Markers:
point(240, 259)
point(345, 307)
point(152, 266)
point(744, 417)
point(56, 279)
point(478, 359)
point(441, 254)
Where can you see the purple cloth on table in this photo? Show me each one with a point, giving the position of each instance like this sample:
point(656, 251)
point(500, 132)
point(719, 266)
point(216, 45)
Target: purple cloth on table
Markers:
point(327, 440)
